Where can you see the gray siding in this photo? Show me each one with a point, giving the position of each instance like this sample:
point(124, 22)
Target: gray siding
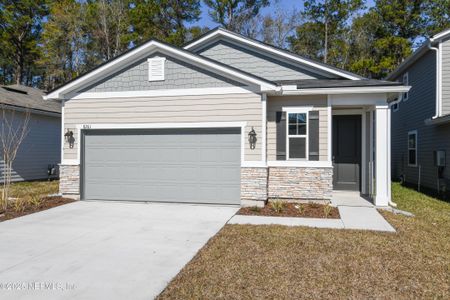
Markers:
point(446, 77)
point(174, 109)
point(411, 116)
point(255, 63)
point(178, 75)
point(41, 147)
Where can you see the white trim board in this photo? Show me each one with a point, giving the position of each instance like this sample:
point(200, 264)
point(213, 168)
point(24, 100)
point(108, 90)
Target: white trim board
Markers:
point(272, 50)
point(147, 49)
point(346, 90)
point(165, 93)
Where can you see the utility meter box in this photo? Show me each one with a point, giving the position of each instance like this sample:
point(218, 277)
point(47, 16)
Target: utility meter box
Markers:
point(439, 158)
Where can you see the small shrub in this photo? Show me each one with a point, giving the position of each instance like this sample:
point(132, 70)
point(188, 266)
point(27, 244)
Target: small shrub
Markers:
point(327, 210)
point(278, 205)
point(255, 209)
point(19, 205)
point(300, 207)
point(314, 205)
point(35, 200)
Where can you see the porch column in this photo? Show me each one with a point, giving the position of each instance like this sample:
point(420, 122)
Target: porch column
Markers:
point(382, 155)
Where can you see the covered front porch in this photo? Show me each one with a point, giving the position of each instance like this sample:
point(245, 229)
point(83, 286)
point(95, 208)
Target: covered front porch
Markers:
point(359, 146)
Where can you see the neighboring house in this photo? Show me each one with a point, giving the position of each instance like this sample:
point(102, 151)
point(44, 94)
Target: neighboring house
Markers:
point(41, 147)
point(161, 123)
point(421, 117)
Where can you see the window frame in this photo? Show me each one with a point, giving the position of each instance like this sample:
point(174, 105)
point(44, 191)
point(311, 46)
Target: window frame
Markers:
point(405, 96)
point(413, 132)
point(297, 110)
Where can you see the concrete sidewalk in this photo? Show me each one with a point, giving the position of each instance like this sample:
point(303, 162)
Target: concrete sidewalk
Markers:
point(356, 213)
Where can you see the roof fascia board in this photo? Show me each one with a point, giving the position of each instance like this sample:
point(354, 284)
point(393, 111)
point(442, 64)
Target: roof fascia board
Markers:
point(31, 110)
point(144, 49)
point(219, 32)
point(345, 90)
point(440, 36)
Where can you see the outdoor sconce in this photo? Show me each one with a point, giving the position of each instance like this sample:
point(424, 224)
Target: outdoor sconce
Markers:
point(252, 138)
point(69, 138)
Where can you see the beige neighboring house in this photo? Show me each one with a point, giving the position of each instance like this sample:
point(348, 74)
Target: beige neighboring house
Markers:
point(223, 120)
point(41, 148)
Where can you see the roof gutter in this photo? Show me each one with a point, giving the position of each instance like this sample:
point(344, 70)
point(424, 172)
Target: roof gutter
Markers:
point(288, 90)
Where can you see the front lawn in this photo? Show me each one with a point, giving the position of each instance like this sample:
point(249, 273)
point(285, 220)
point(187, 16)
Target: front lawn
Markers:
point(31, 197)
point(249, 262)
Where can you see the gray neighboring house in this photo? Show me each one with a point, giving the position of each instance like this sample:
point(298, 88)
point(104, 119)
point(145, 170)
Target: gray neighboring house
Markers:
point(223, 120)
point(42, 145)
point(421, 117)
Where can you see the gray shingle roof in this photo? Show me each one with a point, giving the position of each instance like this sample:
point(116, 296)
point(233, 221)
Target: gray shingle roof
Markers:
point(28, 97)
point(332, 83)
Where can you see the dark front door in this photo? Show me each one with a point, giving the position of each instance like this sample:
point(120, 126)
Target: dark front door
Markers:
point(347, 152)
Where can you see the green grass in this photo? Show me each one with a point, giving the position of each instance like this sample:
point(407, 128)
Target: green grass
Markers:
point(277, 262)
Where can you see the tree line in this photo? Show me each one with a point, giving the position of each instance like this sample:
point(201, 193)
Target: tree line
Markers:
point(45, 43)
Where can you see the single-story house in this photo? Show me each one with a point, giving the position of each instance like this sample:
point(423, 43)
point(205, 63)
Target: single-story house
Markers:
point(41, 147)
point(224, 120)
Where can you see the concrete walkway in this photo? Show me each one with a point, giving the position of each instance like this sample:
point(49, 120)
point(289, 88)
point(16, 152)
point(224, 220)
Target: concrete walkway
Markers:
point(102, 250)
point(356, 213)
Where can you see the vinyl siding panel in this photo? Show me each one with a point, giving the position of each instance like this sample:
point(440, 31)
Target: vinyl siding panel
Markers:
point(41, 147)
point(446, 77)
point(178, 75)
point(411, 116)
point(176, 109)
point(255, 63)
point(277, 103)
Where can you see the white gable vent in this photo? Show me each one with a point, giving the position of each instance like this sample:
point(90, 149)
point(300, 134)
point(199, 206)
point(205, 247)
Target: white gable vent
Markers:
point(156, 68)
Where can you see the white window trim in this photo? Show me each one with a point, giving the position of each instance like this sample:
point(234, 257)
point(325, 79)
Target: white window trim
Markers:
point(297, 110)
point(416, 144)
point(162, 76)
point(405, 95)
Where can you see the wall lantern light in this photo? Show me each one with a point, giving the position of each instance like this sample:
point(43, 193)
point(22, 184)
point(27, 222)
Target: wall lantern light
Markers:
point(252, 138)
point(69, 138)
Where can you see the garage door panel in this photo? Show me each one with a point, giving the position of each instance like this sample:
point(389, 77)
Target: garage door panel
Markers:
point(199, 166)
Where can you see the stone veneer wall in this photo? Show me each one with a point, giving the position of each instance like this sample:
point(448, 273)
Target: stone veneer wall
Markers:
point(300, 183)
point(254, 184)
point(257, 184)
point(69, 179)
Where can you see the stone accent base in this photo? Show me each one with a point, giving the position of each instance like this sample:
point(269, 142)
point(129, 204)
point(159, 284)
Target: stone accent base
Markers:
point(253, 186)
point(300, 183)
point(69, 179)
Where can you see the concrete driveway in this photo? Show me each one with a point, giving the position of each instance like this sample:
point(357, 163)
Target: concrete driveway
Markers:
point(102, 250)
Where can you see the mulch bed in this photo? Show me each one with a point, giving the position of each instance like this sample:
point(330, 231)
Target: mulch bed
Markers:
point(310, 210)
point(46, 203)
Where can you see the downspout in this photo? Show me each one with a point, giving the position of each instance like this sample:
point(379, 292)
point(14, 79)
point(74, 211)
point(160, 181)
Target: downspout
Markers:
point(438, 80)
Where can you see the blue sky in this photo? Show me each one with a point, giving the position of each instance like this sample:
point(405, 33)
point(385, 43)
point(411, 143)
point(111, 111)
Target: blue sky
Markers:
point(205, 19)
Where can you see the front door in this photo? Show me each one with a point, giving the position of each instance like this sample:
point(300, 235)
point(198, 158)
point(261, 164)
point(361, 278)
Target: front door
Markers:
point(347, 152)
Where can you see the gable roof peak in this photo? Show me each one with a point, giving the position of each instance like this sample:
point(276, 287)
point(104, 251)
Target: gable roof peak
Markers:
point(211, 35)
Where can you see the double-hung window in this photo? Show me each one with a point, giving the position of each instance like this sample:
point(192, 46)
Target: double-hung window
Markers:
point(412, 148)
point(297, 135)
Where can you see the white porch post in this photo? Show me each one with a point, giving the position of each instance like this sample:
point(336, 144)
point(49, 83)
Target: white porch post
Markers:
point(382, 155)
